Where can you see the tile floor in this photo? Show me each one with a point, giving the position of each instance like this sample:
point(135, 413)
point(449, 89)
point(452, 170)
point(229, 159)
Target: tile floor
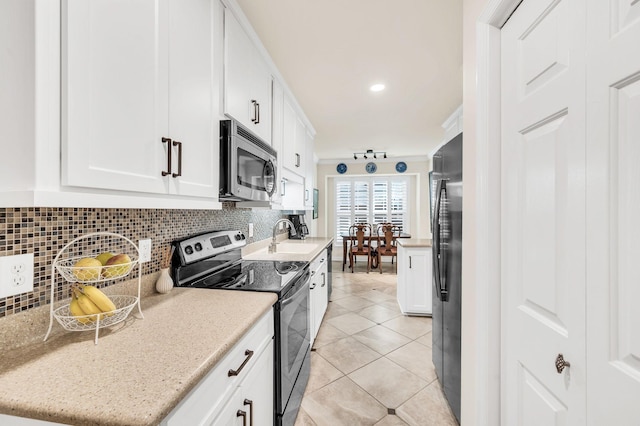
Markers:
point(371, 364)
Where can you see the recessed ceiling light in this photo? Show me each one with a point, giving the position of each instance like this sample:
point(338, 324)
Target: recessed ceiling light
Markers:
point(377, 87)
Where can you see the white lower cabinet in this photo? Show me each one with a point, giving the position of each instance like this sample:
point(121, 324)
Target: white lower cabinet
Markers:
point(319, 292)
point(252, 403)
point(241, 381)
point(414, 280)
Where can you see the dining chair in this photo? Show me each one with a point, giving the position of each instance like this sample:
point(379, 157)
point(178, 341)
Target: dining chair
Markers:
point(359, 244)
point(387, 235)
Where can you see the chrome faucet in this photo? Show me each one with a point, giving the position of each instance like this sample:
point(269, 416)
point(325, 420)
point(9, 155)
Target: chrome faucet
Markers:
point(273, 246)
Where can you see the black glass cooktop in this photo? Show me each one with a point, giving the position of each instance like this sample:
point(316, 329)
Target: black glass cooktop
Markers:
point(253, 275)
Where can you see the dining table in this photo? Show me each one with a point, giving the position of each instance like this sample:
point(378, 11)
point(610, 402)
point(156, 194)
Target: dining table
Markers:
point(347, 238)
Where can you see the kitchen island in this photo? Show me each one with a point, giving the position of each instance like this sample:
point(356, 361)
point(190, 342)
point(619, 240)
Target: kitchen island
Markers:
point(140, 369)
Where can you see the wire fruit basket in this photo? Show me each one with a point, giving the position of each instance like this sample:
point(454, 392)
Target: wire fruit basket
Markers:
point(91, 259)
point(68, 321)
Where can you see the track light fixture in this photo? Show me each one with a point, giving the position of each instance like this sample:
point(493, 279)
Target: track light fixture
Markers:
point(368, 153)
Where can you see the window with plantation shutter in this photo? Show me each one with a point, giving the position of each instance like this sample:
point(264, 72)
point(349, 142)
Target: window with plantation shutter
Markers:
point(371, 200)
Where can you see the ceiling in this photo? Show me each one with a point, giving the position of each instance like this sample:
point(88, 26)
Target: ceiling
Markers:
point(331, 51)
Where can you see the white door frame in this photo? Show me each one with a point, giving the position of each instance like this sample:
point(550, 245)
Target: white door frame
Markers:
point(483, 406)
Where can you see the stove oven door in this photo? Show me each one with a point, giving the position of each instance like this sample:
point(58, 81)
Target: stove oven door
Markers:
point(294, 339)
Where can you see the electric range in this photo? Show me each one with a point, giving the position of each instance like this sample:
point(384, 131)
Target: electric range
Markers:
point(213, 260)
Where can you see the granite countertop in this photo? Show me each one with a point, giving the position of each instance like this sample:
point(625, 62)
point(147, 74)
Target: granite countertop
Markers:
point(291, 250)
point(414, 242)
point(139, 370)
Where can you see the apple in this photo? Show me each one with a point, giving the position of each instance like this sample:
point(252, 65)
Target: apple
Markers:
point(116, 266)
point(87, 269)
point(104, 257)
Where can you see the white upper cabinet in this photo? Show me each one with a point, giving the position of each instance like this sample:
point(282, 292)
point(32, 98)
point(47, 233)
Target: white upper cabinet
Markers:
point(277, 136)
point(294, 146)
point(309, 179)
point(247, 80)
point(139, 104)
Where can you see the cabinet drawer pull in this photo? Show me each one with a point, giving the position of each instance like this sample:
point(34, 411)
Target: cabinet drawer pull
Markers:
point(179, 145)
point(248, 353)
point(257, 113)
point(250, 404)
point(242, 414)
point(324, 279)
point(409, 262)
point(297, 160)
point(167, 140)
point(306, 195)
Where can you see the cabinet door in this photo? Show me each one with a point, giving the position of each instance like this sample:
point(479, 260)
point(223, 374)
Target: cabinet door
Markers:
point(114, 94)
point(247, 80)
point(418, 280)
point(193, 97)
point(238, 71)
point(277, 134)
point(261, 93)
point(323, 293)
point(301, 147)
point(313, 305)
point(290, 159)
point(309, 180)
point(254, 398)
point(414, 280)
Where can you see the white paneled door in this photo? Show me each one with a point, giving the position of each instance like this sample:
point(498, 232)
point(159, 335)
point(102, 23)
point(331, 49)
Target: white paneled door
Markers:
point(570, 208)
point(543, 216)
point(613, 212)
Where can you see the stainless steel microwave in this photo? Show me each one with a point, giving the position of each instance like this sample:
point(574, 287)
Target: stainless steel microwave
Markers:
point(247, 165)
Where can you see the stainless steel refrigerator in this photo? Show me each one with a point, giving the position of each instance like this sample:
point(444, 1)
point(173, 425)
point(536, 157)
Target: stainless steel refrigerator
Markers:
point(447, 268)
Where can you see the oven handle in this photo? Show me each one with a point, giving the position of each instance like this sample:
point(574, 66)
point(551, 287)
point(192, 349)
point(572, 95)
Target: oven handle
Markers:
point(293, 293)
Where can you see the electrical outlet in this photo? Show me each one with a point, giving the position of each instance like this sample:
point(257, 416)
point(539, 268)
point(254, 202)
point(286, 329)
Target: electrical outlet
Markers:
point(144, 246)
point(250, 230)
point(16, 274)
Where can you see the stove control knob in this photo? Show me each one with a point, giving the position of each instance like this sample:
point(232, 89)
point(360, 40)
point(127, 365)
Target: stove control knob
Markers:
point(188, 250)
point(238, 237)
point(198, 247)
point(242, 236)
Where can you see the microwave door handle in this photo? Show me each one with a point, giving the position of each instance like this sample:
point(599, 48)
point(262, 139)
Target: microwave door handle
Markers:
point(269, 174)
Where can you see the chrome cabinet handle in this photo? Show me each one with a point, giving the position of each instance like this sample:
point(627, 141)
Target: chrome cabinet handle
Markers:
point(409, 262)
point(242, 414)
point(253, 112)
point(250, 404)
point(297, 160)
point(306, 195)
point(561, 363)
point(324, 279)
point(179, 145)
point(248, 353)
point(256, 111)
point(168, 172)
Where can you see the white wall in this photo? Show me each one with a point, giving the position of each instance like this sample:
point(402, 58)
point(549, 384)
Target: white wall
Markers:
point(480, 383)
point(419, 217)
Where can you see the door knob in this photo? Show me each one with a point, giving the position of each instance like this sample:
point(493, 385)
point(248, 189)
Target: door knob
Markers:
point(561, 363)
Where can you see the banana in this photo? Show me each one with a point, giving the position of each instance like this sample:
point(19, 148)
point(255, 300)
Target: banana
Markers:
point(75, 310)
point(99, 299)
point(87, 306)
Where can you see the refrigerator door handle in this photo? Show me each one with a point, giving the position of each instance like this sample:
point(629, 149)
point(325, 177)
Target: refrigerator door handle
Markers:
point(436, 240)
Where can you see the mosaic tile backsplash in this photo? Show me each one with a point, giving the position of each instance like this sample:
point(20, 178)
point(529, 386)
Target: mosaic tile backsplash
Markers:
point(45, 231)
